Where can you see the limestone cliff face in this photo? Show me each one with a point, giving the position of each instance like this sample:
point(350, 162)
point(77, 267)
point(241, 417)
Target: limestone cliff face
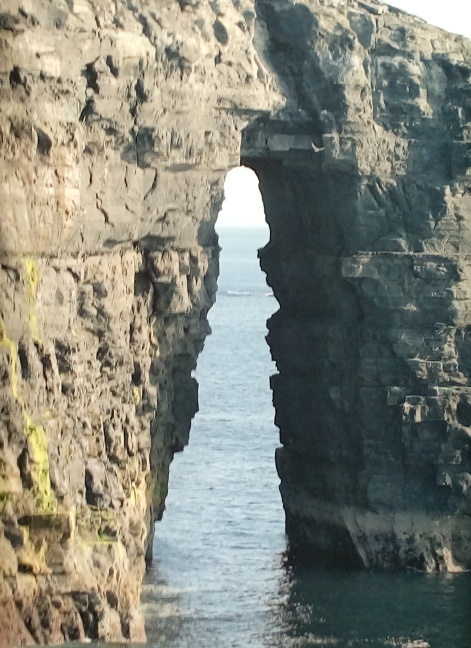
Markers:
point(118, 123)
point(367, 183)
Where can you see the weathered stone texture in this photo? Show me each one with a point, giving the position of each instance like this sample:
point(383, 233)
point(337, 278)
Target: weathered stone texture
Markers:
point(118, 122)
point(367, 183)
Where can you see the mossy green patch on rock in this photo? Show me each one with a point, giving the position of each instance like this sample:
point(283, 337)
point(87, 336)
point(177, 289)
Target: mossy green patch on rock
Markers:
point(98, 527)
point(136, 393)
point(35, 433)
point(42, 489)
point(32, 276)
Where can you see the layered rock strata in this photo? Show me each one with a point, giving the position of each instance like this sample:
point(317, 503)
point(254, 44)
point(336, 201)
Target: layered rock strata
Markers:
point(366, 178)
point(118, 123)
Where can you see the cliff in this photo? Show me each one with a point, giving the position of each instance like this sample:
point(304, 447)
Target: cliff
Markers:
point(118, 124)
point(368, 193)
point(119, 121)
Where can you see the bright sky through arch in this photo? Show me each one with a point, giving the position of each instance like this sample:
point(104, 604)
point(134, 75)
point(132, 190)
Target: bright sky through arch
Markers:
point(242, 206)
point(452, 15)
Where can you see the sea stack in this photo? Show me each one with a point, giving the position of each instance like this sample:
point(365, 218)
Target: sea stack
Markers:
point(119, 122)
point(367, 184)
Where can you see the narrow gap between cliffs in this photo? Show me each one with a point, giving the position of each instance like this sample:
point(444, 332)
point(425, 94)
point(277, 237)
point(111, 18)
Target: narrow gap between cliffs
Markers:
point(223, 528)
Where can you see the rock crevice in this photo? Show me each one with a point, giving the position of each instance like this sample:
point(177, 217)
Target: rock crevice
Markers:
point(118, 123)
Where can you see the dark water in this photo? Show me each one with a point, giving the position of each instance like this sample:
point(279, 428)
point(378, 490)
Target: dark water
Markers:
point(220, 577)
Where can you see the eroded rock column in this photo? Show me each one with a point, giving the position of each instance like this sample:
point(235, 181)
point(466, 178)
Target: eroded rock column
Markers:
point(366, 183)
point(118, 124)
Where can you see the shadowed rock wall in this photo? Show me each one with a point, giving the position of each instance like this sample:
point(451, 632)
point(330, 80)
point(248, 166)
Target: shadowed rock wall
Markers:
point(118, 122)
point(366, 178)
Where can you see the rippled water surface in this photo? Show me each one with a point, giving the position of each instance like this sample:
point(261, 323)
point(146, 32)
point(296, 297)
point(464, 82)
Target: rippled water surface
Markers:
point(220, 576)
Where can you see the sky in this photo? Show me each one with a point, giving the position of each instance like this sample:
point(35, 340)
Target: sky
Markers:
point(452, 15)
point(243, 206)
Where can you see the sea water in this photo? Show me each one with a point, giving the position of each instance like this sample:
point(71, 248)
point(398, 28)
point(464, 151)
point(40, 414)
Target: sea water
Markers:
point(221, 576)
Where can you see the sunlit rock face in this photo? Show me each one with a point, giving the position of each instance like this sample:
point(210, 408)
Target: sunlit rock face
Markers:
point(119, 122)
point(366, 178)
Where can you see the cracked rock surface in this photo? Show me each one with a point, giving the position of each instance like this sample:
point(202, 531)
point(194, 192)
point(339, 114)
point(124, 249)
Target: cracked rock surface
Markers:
point(366, 177)
point(118, 123)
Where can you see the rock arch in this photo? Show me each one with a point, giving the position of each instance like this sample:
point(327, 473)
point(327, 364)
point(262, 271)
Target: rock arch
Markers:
point(355, 119)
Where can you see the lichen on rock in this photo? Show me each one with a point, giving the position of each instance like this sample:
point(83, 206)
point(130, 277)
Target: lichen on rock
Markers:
point(119, 122)
point(118, 125)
